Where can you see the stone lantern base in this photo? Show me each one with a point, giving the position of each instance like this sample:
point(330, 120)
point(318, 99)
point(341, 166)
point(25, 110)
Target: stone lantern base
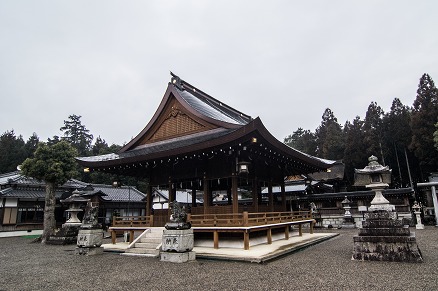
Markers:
point(385, 238)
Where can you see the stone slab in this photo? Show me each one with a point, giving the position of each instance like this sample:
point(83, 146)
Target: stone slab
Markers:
point(90, 238)
point(384, 231)
point(382, 223)
point(177, 257)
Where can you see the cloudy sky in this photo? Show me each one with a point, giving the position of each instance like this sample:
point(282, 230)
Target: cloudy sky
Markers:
point(284, 61)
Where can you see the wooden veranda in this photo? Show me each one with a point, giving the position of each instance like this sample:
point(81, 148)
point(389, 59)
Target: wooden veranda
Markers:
point(219, 224)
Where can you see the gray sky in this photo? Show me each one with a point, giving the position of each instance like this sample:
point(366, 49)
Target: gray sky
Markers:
point(284, 61)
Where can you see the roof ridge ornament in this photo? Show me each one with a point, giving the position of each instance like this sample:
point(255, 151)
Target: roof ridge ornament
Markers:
point(176, 81)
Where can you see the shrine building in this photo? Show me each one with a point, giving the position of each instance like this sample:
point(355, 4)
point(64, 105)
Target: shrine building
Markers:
point(196, 142)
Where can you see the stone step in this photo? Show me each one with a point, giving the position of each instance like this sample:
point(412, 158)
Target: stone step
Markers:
point(156, 240)
point(147, 245)
point(142, 251)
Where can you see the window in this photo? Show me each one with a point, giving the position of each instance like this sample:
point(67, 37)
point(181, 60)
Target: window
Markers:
point(30, 214)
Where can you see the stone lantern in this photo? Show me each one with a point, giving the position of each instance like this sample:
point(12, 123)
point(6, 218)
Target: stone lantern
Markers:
point(348, 218)
point(75, 201)
point(382, 237)
point(417, 211)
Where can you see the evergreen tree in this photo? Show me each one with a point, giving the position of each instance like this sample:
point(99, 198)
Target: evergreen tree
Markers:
point(54, 140)
point(423, 120)
point(54, 165)
point(355, 156)
point(372, 128)
point(77, 134)
point(31, 145)
point(397, 135)
point(302, 140)
point(12, 151)
point(329, 137)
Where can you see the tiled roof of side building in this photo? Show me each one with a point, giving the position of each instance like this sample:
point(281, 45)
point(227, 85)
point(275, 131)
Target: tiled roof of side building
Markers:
point(121, 194)
point(28, 193)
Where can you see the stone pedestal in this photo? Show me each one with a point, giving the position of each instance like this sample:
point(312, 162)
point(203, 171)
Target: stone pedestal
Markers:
point(178, 257)
point(384, 238)
point(177, 246)
point(89, 241)
point(68, 234)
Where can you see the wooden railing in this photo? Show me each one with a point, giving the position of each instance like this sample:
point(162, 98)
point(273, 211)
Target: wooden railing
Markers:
point(133, 221)
point(229, 220)
point(247, 219)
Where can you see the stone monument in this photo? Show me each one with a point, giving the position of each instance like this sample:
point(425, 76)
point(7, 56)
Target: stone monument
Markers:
point(90, 232)
point(178, 240)
point(383, 237)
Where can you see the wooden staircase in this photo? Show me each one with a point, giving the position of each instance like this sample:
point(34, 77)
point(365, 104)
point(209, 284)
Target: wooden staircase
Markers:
point(148, 245)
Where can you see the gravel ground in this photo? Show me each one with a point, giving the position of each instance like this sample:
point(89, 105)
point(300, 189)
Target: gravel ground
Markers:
point(326, 266)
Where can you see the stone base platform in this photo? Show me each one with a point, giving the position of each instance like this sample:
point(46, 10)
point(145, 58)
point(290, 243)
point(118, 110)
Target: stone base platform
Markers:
point(384, 238)
point(177, 257)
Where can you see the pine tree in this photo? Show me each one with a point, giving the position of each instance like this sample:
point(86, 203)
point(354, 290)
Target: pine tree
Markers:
point(54, 165)
point(77, 134)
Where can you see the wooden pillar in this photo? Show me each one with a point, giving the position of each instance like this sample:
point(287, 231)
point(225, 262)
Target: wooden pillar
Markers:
point(300, 229)
point(172, 192)
point(246, 240)
point(149, 201)
point(234, 194)
point(269, 235)
point(215, 239)
point(271, 197)
point(229, 195)
point(286, 232)
point(207, 195)
point(283, 196)
point(194, 197)
point(255, 196)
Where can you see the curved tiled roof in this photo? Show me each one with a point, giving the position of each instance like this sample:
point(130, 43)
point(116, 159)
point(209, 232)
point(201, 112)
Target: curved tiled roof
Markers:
point(212, 109)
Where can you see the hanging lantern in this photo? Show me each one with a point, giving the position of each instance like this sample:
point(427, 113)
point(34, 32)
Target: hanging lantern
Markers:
point(243, 167)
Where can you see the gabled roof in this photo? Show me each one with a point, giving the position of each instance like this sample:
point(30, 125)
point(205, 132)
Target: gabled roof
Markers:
point(188, 121)
point(185, 110)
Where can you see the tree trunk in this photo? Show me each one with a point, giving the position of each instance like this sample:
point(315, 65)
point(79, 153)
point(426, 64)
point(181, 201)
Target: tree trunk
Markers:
point(49, 212)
